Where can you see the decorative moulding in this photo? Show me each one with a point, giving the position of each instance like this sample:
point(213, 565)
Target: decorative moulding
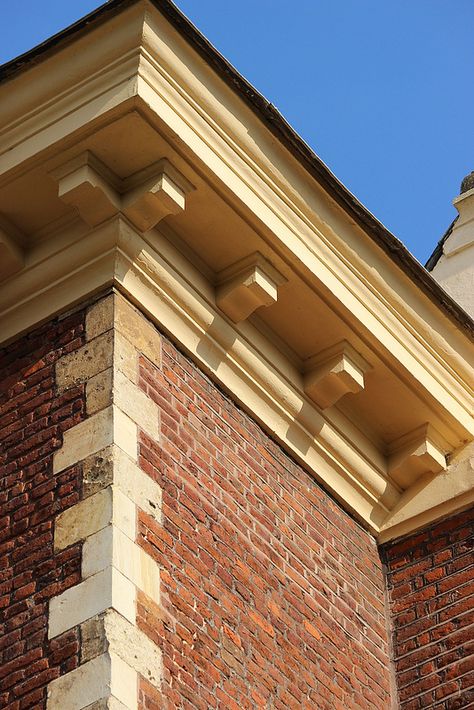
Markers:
point(334, 372)
point(247, 285)
point(11, 254)
point(416, 453)
point(98, 194)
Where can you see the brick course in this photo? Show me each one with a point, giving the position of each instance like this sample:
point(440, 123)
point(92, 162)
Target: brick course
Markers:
point(33, 418)
point(271, 595)
point(430, 578)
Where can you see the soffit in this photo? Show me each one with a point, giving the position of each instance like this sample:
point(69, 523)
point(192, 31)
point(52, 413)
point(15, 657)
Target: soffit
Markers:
point(275, 122)
point(248, 196)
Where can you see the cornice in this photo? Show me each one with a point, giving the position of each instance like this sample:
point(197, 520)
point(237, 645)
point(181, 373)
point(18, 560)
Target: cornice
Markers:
point(296, 237)
point(176, 296)
point(266, 112)
point(402, 331)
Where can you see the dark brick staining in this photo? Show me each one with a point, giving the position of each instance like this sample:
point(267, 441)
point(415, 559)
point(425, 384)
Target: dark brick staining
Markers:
point(431, 593)
point(33, 419)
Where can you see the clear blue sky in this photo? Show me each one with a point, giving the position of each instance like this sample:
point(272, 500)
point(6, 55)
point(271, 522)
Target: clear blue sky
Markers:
point(382, 90)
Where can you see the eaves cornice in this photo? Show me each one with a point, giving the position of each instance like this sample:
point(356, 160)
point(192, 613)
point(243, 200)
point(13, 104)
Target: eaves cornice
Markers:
point(274, 121)
point(137, 167)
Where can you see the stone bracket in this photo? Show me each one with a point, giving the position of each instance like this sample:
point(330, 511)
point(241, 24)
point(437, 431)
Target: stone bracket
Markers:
point(145, 198)
point(334, 372)
point(416, 453)
point(247, 285)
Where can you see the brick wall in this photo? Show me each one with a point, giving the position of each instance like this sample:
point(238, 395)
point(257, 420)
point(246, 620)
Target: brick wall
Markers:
point(271, 595)
point(431, 593)
point(32, 421)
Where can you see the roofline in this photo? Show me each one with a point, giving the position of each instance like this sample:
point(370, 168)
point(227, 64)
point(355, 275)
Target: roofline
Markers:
point(437, 252)
point(280, 128)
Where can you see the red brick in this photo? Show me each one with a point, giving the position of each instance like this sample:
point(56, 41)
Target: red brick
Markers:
point(32, 421)
point(264, 578)
point(435, 628)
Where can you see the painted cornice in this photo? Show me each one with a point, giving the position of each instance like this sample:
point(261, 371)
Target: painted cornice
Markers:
point(125, 162)
point(274, 121)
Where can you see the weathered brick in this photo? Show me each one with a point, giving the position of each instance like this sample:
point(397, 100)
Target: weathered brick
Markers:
point(264, 578)
point(433, 625)
point(33, 418)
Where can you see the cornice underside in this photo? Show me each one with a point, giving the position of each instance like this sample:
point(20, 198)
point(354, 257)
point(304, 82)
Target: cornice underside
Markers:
point(131, 204)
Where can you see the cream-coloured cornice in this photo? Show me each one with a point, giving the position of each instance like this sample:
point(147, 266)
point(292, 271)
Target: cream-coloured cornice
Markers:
point(109, 216)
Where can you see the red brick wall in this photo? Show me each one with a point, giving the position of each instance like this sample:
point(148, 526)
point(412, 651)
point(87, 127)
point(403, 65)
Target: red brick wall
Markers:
point(32, 421)
point(272, 596)
point(431, 591)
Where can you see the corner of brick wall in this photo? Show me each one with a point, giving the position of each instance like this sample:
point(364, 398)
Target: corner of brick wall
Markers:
point(253, 589)
point(430, 586)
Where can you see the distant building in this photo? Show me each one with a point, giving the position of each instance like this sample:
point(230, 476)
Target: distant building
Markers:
point(236, 414)
point(452, 262)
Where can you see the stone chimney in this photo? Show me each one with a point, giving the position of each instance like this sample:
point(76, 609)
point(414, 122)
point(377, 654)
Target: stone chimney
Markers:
point(454, 267)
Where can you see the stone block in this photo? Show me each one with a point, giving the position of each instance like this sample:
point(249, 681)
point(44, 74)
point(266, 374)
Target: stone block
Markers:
point(99, 391)
point(134, 647)
point(137, 405)
point(82, 364)
point(136, 484)
point(94, 595)
point(84, 439)
point(110, 546)
point(108, 426)
point(125, 357)
point(97, 471)
point(93, 640)
point(138, 330)
point(84, 519)
point(92, 514)
point(100, 317)
point(104, 677)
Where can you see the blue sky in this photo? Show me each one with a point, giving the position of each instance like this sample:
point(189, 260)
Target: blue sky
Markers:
point(382, 90)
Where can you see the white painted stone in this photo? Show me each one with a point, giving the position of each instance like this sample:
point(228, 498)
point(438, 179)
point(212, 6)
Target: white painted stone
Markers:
point(111, 546)
point(104, 682)
point(95, 594)
point(86, 438)
point(137, 405)
point(134, 647)
point(136, 484)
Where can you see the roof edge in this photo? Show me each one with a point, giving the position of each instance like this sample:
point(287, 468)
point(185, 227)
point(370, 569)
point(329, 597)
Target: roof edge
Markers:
point(437, 252)
point(278, 125)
